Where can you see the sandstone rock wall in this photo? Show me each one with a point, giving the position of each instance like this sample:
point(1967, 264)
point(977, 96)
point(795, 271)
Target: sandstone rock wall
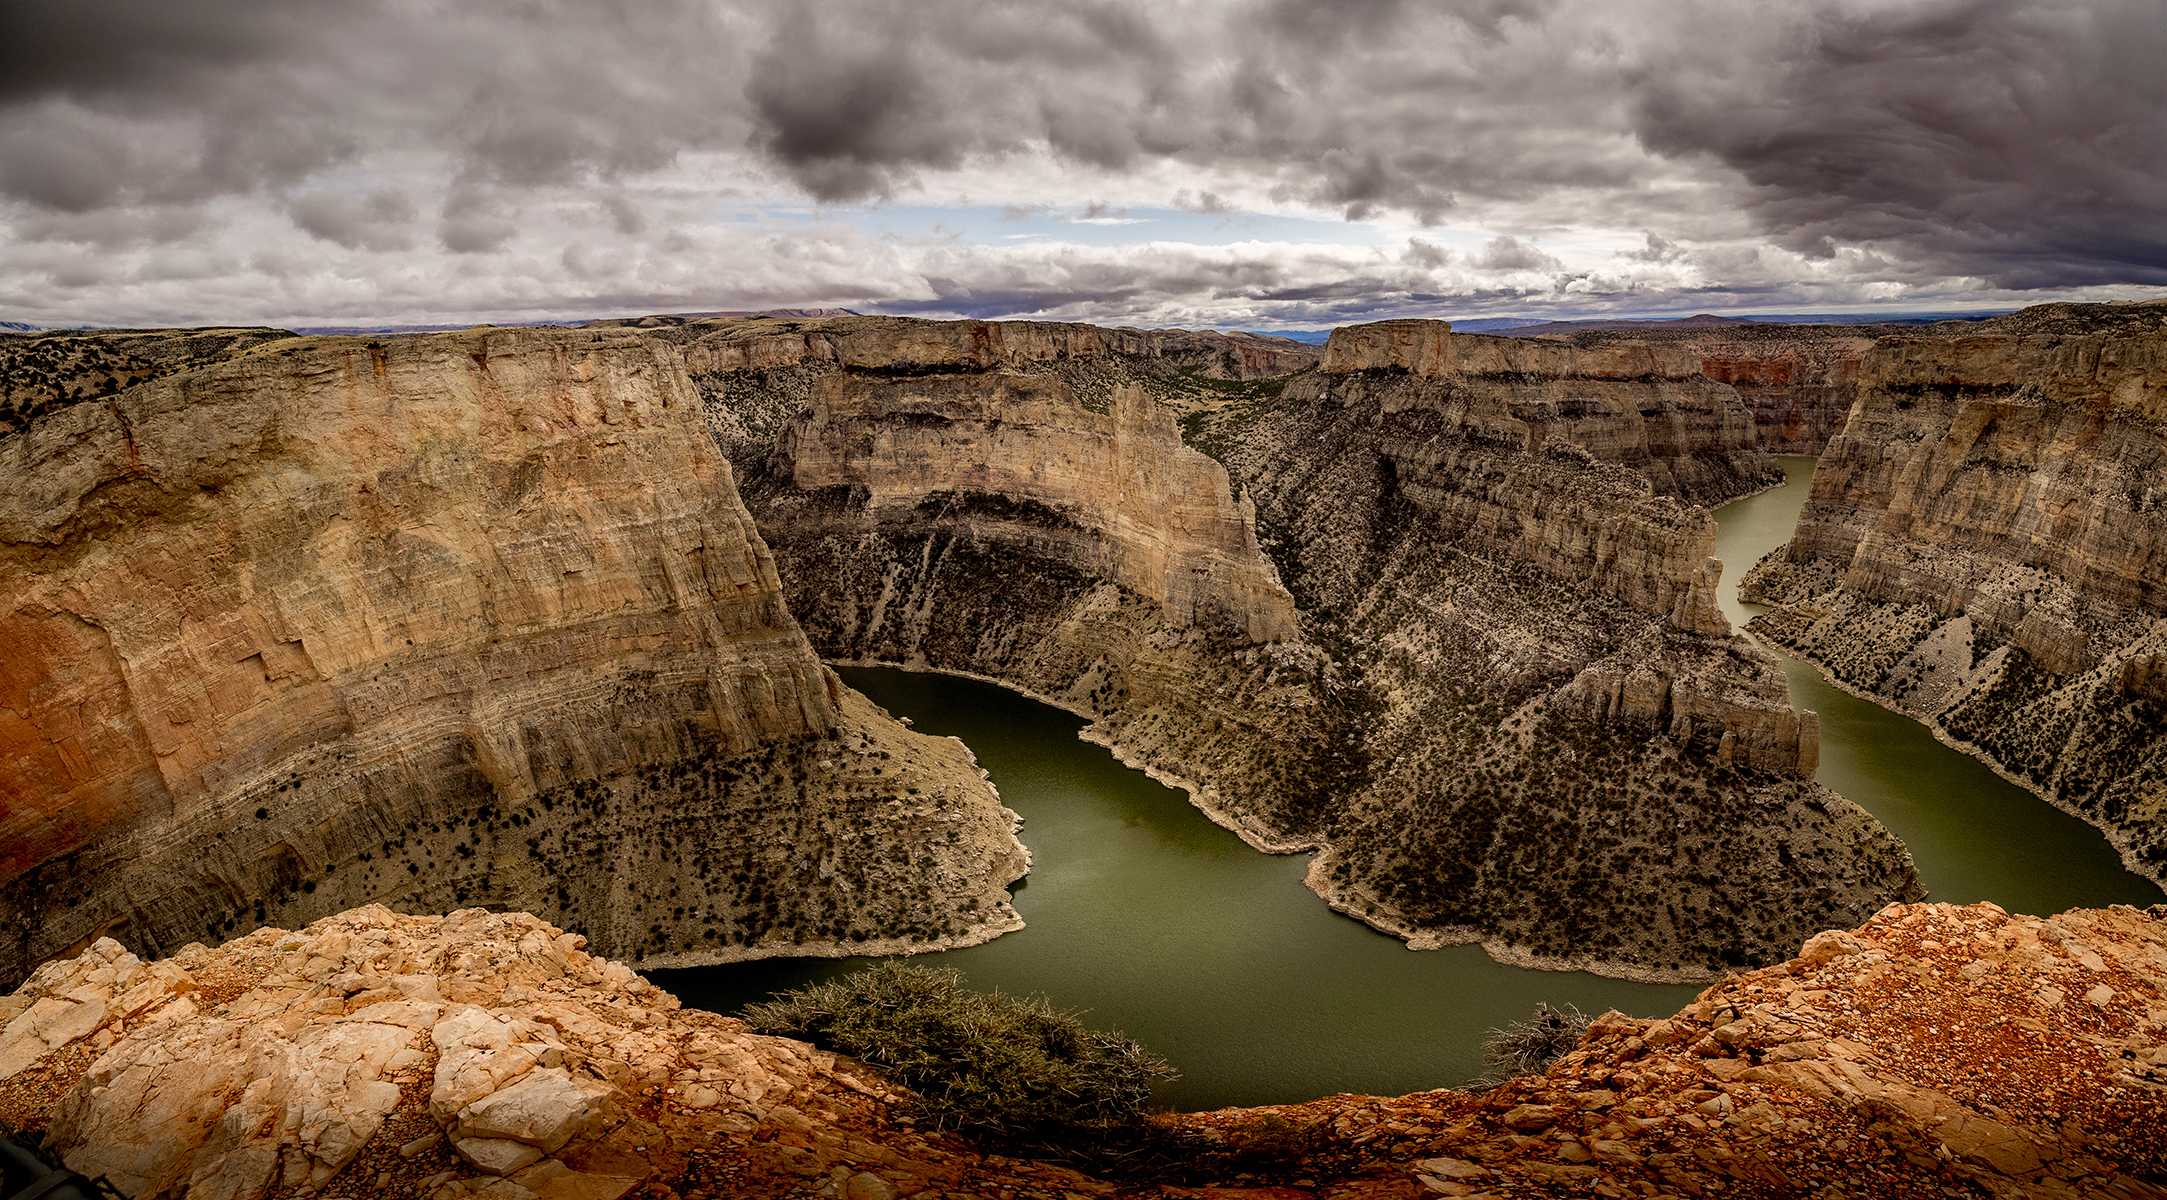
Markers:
point(429, 619)
point(1985, 548)
point(916, 346)
point(1138, 507)
point(1463, 552)
point(1799, 391)
point(1640, 405)
point(1559, 728)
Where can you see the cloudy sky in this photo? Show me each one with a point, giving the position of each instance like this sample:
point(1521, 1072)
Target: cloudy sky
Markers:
point(1243, 163)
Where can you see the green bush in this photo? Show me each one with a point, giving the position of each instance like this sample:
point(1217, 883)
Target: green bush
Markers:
point(1017, 1069)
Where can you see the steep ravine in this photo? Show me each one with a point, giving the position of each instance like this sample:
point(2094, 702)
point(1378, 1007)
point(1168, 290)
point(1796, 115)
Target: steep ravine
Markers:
point(469, 618)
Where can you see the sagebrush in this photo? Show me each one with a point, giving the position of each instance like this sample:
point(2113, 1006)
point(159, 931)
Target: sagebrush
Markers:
point(980, 1063)
point(1529, 1047)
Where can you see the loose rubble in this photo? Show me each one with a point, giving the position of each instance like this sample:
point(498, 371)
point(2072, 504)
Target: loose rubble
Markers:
point(1937, 1051)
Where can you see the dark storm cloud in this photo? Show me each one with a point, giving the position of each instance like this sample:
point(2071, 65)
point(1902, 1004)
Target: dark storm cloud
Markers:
point(2021, 140)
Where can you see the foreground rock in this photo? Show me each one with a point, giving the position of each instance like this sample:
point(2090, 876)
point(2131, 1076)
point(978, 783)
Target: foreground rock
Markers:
point(333, 620)
point(1935, 1051)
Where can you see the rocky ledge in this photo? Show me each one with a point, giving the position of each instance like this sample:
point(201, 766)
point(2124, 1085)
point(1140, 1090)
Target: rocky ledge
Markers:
point(1936, 1051)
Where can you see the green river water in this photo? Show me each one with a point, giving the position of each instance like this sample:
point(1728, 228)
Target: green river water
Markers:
point(1157, 922)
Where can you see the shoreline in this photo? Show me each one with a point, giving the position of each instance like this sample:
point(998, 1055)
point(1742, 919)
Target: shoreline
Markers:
point(1337, 899)
point(1969, 750)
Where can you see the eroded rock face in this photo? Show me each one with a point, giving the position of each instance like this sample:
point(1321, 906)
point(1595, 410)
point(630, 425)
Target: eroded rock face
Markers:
point(1984, 550)
point(906, 344)
point(1799, 390)
point(1637, 404)
point(1465, 555)
point(1549, 684)
point(428, 620)
point(1138, 507)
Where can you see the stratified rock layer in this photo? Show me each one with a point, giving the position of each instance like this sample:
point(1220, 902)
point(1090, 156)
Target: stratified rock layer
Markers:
point(1471, 540)
point(1556, 726)
point(1144, 511)
point(1985, 548)
point(1936, 1050)
point(465, 617)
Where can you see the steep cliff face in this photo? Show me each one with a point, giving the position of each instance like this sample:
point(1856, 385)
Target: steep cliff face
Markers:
point(1935, 1050)
point(1799, 390)
point(1478, 589)
point(435, 620)
point(902, 343)
point(1561, 728)
point(989, 523)
point(1643, 406)
point(1985, 548)
point(1142, 510)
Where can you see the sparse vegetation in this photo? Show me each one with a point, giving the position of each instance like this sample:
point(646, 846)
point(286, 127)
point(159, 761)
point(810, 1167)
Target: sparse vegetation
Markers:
point(981, 1063)
point(1529, 1047)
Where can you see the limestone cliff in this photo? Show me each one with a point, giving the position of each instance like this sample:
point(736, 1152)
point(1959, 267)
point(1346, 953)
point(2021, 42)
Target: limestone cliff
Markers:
point(1985, 548)
point(1643, 406)
point(1140, 509)
point(1559, 725)
point(1934, 1051)
point(1479, 590)
point(470, 617)
point(1797, 381)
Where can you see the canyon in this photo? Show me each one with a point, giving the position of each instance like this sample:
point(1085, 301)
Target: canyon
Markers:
point(1982, 550)
point(1518, 518)
point(340, 634)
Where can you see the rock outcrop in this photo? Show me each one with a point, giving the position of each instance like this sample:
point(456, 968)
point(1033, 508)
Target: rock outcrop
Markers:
point(465, 617)
point(1986, 549)
point(914, 346)
point(1643, 406)
point(1797, 381)
point(1935, 1050)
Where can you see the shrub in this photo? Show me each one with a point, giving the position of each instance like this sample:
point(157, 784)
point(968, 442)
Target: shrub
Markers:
point(980, 1063)
point(1529, 1047)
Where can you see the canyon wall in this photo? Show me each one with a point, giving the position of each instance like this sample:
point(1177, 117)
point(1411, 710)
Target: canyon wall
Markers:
point(907, 344)
point(1561, 729)
point(1494, 563)
point(471, 617)
point(1145, 511)
point(1796, 381)
point(1985, 548)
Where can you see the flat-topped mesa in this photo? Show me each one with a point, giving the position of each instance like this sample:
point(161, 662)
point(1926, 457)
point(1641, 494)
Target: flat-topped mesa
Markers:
point(1986, 548)
point(902, 344)
point(473, 616)
point(1130, 502)
point(1422, 348)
